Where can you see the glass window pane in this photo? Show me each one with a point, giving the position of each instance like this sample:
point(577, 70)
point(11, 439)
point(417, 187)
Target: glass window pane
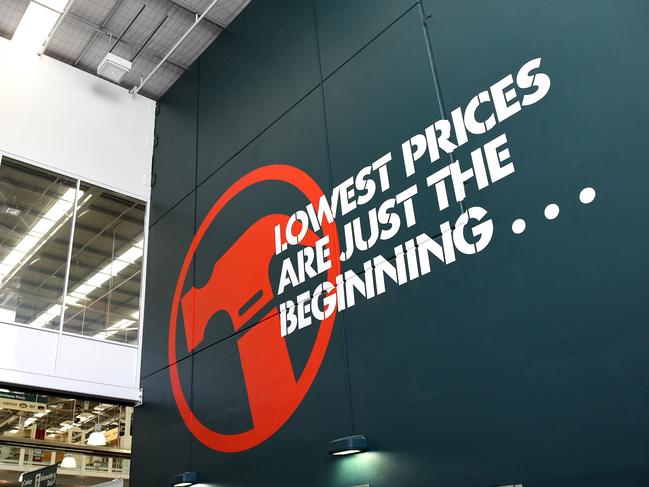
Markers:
point(106, 269)
point(36, 209)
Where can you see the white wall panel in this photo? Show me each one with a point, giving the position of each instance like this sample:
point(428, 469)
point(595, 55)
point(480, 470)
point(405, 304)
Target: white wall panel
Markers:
point(75, 123)
point(68, 386)
point(27, 349)
point(58, 117)
point(96, 361)
point(41, 359)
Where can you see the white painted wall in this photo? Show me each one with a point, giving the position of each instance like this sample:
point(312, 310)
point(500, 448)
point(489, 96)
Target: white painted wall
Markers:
point(75, 123)
point(44, 360)
point(59, 117)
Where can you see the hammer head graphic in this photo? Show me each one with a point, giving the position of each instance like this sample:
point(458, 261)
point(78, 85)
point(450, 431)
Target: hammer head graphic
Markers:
point(240, 282)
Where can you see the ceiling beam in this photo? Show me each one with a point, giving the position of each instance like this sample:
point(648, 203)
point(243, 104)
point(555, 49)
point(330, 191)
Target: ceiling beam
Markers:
point(99, 30)
point(116, 5)
point(182, 6)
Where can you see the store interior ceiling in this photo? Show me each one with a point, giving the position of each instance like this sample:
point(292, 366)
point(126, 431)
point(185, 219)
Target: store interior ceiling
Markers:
point(58, 419)
point(146, 29)
point(59, 416)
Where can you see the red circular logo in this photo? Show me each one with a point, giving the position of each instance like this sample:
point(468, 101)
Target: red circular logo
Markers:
point(239, 278)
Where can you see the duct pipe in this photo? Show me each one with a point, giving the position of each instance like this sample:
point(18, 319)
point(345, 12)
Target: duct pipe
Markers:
point(56, 26)
point(136, 89)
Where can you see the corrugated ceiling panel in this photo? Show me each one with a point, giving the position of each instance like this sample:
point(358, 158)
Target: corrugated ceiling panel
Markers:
point(12, 11)
point(93, 26)
point(70, 40)
point(94, 11)
point(224, 12)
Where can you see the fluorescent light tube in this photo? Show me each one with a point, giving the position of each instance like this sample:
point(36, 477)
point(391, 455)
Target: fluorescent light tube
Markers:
point(121, 262)
point(37, 233)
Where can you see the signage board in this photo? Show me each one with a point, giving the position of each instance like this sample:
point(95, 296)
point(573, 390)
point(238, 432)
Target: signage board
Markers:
point(112, 435)
point(23, 401)
point(335, 230)
point(44, 477)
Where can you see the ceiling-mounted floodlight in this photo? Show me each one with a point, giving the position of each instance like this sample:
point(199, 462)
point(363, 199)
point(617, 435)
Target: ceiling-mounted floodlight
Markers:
point(348, 445)
point(184, 479)
point(113, 67)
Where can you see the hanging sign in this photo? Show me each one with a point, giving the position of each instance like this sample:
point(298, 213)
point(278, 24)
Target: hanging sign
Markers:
point(21, 401)
point(44, 477)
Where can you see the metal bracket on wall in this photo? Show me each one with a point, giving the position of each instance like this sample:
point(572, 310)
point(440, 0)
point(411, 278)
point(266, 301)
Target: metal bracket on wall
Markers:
point(139, 401)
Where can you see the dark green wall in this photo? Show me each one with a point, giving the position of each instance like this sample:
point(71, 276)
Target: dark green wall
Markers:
point(526, 363)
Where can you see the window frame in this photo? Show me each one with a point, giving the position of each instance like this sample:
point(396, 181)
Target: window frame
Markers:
point(78, 181)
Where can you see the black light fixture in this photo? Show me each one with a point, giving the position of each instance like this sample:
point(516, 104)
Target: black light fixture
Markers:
point(184, 479)
point(348, 445)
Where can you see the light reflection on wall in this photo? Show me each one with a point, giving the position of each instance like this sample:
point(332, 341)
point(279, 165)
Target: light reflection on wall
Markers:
point(369, 468)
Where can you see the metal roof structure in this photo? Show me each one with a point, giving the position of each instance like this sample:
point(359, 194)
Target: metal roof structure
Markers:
point(146, 31)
